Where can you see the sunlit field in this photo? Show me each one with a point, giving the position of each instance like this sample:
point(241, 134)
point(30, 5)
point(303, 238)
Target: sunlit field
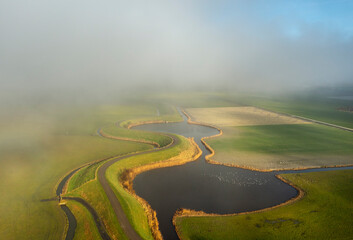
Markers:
point(109, 109)
point(272, 147)
point(39, 146)
point(240, 116)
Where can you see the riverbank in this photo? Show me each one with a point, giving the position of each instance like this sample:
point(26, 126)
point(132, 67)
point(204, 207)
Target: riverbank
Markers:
point(325, 212)
point(267, 148)
point(184, 156)
point(127, 177)
point(87, 182)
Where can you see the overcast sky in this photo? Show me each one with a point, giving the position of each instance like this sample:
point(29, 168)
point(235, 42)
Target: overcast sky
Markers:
point(109, 45)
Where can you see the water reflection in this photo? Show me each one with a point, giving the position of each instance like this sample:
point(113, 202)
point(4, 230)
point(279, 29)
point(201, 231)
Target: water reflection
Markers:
point(207, 187)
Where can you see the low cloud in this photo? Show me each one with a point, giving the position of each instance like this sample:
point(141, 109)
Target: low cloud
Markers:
point(92, 48)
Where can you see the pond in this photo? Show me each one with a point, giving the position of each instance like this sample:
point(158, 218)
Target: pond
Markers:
point(202, 186)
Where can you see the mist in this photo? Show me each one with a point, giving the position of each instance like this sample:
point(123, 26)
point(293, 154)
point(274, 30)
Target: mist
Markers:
point(100, 48)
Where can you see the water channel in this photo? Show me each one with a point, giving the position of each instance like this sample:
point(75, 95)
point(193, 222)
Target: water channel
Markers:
point(202, 186)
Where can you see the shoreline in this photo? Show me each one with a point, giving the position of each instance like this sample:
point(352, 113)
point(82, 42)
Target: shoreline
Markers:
point(192, 213)
point(127, 177)
point(75, 170)
point(127, 183)
point(183, 213)
point(211, 161)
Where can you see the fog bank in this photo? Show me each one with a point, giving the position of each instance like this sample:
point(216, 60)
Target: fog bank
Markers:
point(96, 48)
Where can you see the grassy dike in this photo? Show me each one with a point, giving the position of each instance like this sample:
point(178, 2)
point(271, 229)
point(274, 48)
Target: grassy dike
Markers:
point(83, 231)
point(117, 132)
point(325, 212)
point(40, 144)
point(135, 209)
point(85, 185)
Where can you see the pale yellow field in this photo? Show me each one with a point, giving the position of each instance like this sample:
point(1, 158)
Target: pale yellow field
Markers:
point(240, 116)
point(267, 162)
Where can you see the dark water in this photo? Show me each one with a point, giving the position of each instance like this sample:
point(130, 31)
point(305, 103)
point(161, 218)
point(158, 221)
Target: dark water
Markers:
point(70, 234)
point(207, 187)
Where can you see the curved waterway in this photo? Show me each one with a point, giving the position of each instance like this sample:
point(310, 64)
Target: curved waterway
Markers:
point(207, 187)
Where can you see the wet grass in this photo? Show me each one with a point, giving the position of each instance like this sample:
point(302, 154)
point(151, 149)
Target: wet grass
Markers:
point(325, 212)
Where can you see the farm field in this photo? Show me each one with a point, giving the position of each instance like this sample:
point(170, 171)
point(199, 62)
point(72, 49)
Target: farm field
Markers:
point(40, 145)
point(257, 139)
point(272, 147)
point(322, 108)
point(240, 116)
point(325, 212)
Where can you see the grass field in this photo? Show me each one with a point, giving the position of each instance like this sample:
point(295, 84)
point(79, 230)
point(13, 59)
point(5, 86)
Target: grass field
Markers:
point(325, 212)
point(93, 193)
point(321, 108)
point(86, 229)
point(114, 130)
point(283, 146)
point(39, 145)
point(239, 116)
point(135, 212)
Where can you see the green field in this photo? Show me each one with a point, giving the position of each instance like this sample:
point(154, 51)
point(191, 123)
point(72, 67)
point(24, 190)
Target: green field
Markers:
point(283, 146)
point(86, 228)
point(325, 212)
point(131, 206)
point(95, 196)
point(114, 130)
point(320, 108)
point(40, 144)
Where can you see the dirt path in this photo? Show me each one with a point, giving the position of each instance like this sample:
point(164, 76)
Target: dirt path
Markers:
point(122, 218)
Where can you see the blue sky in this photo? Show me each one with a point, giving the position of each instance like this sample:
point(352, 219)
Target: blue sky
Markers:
point(292, 17)
point(240, 44)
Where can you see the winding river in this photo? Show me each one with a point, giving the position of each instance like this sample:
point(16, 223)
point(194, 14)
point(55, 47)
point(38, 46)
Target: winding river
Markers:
point(207, 187)
point(196, 185)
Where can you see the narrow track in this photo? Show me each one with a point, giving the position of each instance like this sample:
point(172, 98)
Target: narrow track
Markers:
point(122, 218)
point(96, 218)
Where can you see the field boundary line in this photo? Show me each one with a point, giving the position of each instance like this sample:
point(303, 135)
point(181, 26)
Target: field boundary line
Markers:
point(309, 120)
